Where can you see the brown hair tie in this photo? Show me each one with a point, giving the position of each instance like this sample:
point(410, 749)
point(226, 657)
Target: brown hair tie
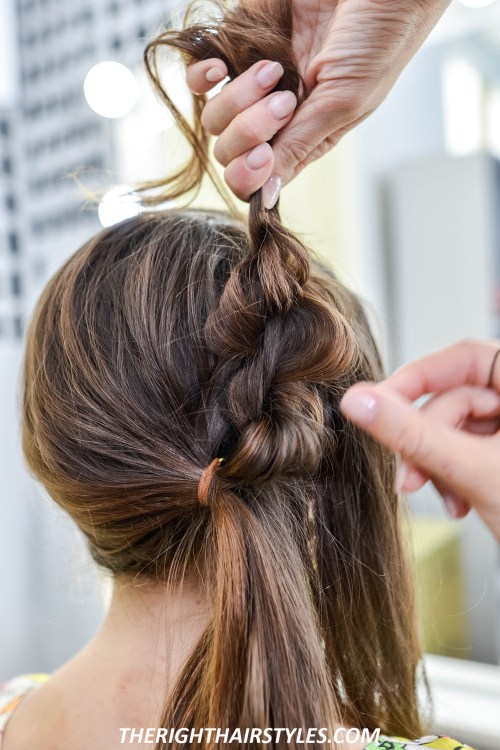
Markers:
point(206, 481)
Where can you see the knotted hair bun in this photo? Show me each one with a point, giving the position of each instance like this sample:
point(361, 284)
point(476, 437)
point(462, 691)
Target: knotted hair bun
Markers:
point(277, 334)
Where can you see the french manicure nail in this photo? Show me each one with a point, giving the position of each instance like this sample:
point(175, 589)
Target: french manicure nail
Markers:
point(282, 104)
point(260, 156)
point(360, 406)
point(271, 191)
point(214, 74)
point(269, 74)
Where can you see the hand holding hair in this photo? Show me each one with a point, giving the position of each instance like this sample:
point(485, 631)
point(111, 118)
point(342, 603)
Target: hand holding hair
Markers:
point(349, 53)
point(453, 440)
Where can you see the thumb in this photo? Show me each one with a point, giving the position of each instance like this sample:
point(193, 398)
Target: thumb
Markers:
point(312, 128)
point(443, 453)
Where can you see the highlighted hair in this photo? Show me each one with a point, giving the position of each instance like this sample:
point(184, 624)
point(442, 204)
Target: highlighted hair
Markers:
point(178, 337)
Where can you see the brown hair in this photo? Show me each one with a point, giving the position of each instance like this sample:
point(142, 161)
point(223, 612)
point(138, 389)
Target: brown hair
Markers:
point(180, 337)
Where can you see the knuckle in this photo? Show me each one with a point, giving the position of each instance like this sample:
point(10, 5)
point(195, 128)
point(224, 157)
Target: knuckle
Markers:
point(410, 441)
point(466, 344)
point(355, 104)
point(209, 118)
point(257, 66)
point(448, 471)
point(193, 73)
point(467, 351)
point(239, 183)
point(347, 105)
point(248, 130)
point(294, 152)
point(220, 152)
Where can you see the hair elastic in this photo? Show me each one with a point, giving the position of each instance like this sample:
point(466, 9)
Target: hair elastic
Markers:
point(206, 480)
point(492, 370)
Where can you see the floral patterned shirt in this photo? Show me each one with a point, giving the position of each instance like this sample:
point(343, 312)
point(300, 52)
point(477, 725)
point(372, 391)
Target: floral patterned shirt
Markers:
point(430, 742)
point(13, 692)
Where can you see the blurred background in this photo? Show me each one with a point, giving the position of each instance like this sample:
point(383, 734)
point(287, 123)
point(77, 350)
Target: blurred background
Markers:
point(407, 209)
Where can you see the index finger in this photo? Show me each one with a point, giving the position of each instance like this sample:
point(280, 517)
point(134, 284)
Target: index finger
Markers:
point(204, 75)
point(465, 363)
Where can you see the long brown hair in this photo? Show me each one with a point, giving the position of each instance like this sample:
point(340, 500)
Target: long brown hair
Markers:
point(182, 336)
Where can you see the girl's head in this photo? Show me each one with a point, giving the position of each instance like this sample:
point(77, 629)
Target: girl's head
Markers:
point(145, 361)
point(180, 337)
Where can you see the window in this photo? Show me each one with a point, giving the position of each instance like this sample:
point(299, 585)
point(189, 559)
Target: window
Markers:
point(30, 39)
point(10, 203)
point(13, 243)
point(86, 16)
point(15, 284)
point(69, 98)
point(28, 6)
point(33, 74)
point(7, 165)
point(35, 148)
point(88, 50)
point(34, 111)
point(64, 218)
point(54, 142)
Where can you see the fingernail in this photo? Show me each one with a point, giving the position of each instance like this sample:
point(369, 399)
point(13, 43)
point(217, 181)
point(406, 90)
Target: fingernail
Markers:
point(214, 74)
point(260, 156)
point(360, 406)
point(282, 104)
point(452, 504)
point(456, 506)
point(401, 473)
point(269, 74)
point(271, 191)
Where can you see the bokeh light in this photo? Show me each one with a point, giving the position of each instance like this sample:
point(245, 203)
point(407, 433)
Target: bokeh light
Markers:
point(110, 89)
point(118, 204)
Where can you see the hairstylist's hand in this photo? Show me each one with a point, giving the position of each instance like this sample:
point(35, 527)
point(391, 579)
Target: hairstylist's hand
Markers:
point(350, 53)
point(454, 438)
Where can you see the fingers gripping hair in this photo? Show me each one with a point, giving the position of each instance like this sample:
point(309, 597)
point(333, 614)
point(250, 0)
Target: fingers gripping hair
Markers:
point(241, 36)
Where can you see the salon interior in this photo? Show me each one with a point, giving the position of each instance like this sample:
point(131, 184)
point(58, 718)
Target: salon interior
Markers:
point(406, 209)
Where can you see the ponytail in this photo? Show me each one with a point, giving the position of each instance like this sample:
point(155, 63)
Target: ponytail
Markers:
point(261, 649)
